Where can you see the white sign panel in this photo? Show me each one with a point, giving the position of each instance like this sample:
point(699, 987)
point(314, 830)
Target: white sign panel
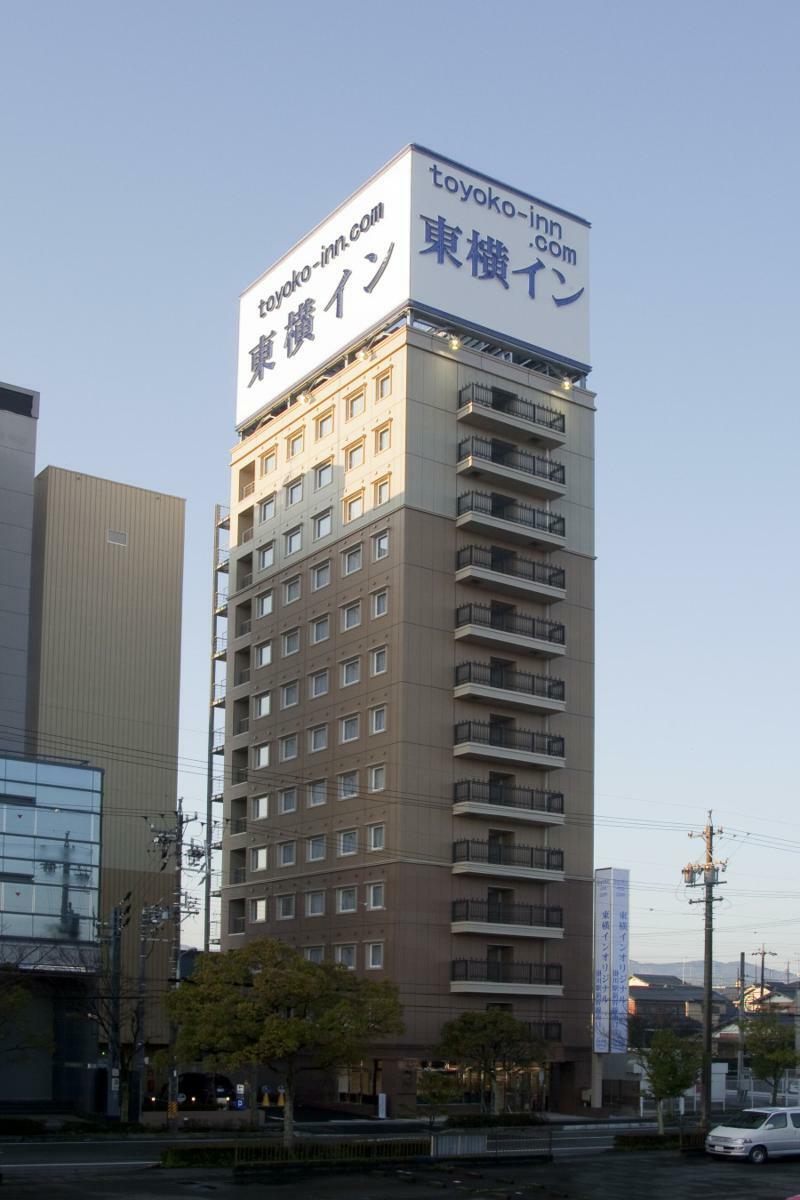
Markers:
point(429, 233)
point(611, 952)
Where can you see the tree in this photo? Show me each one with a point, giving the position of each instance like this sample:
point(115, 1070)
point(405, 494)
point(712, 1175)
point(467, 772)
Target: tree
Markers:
point(672, 1064)
point(490, 1043)
point(19, 1034)
point(770, 1045)
point(264, 1003)
point(435, 1091)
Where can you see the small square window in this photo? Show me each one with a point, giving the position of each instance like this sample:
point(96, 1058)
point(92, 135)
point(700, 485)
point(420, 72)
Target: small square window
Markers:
point(294, 445)
point(324, 424)
point(287, 854)
point(354, 456)
point(294, 492)
point(263, 654)
point(375, 895)
point(266, 509)
point(346, 899)
point(258, 858)
point(348, 785)
point(378, 660)
point(320, 575)
point(264, 604)
point(318, 738)
point(269, 462)
point(290, 641)
point(377, 838)
point(262, 704)
point(284, 906)
point(377, 777)
point(314, 954)
point(352, 560)
point(323, 524)
point(384, 385)
point(261, 756)
point(293, 540)
point(319, 684)
point(377, 719)
point(315, 848)
point(287, 800)
point(351, 671)
point(258, 909)
point(320, 629)
point(323, 475)
point(345, 956)
point(380, 545)
point(266, 556)
point(291, 590)
point(351, 615)
point(374, 956)
point(259, 807)
point(383, 438)
point(354, 405)
point(354, 507)
point(348, 728)
point(380, 603)
point(290, 693)
point(315, 904)
point(317, 793)
point(288, 747)
point(381, 490)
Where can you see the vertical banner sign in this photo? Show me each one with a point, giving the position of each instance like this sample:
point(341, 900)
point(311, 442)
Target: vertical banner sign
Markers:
point(611, 892)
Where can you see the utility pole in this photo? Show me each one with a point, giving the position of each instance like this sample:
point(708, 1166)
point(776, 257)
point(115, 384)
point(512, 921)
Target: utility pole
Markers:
point(706, 875)
point(740, 1052)
point(120, 916)
point(151, 919)
point(762, 954)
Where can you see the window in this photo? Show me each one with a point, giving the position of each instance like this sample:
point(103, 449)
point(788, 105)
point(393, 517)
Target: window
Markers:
point(375, 895)
point(259, 807)
point(317, 793)
point(346, 842)
point(380, 545)
point(315, 904)
point(266, 556)
point(318, 738)
point(287, 800)
point(262, 705)
point(294, 492)
point(291, 590)
point(320, 629)
point(293, 540)
point(354, 405)
point(374, 956)
point(315, 954)
point(777, 1121)
point(266, 509)
point(290, 641)
point(377, 777)
point(258, 858)
point(320, 575)
point(319, 684)
point(354, 506)
point(315, 848)
point(351, 560)
point(288, 747)
point(381, 492)
point(383, 386)
point(287, 854)
point(323, 475)
point(346, 900)
point(351, 671)
point(377, 837)
point(383, 437)
point(345, 956)
point(354, 456)
point(261, 755)
point(263, 654)
point(348, 728)
point(290, 693)
point(294, 444)
point(380, 603)
point(258, 910)
point(269, 462)
point(377, 719)
point(264, 604)
point(323, 524)
point(378, 660)
point(324, 424)
point(348, 785)
point(284, 907)
point(351, 615)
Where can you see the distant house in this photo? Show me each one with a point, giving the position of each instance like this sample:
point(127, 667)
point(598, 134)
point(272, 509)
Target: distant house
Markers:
point(662, 1001)
point(775, 997)
point(654, 981)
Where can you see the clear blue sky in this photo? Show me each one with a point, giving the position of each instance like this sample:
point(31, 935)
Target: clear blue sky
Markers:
point(155, 157)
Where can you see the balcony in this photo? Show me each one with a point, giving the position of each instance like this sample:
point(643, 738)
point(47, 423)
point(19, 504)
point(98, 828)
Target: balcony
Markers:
point(245, 535)
point(508, 687)
point(238, 825)
point(497, 462)
point(486, 798)
point(243, 629)
point(506, 571)
point(495, 515)
point(235, 924)
point(490, 626)
point(477, 857)
point(246, 489)
point(244, 581)
point(238, 875)
point(223, 516)
point(218, 742)
point(223, 560)
point(218, 698)
point(502, 411)
point(241, 725)
point(221, 604)
point(522, 978)
point(494, 742)
point(241, 677)
point(507, 920)
point(219, 647)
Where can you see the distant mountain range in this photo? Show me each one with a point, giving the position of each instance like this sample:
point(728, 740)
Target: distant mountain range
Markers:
point(724, 974)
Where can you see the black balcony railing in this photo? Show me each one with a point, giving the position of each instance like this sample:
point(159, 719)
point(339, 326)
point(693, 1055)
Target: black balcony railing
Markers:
point(509, 738)
point(510, 680)
point(506, 563)
point(546, 1031)
point(494, 913)
point(510, 622)
point(505, 508)
point(515, 406)
point(517, 460)
point(484, 791)
point(481, 971)
point(503, 854)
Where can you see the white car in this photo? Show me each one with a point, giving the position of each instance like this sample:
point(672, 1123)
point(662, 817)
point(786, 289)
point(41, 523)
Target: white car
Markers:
point(757, 1134)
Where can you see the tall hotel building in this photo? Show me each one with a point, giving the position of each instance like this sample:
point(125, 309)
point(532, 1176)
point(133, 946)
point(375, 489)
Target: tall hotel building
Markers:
point(405, 645)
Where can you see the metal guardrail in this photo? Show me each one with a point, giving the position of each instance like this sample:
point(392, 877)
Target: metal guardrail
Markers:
point(509, 402)
point(514, 565)
point(510, 622)
point(517, 460)
point(498, 913)
point(481, 971)
point(503, 736)
point(483, 791)
point(510, 680)
point(536, 857)
point(461, 1143)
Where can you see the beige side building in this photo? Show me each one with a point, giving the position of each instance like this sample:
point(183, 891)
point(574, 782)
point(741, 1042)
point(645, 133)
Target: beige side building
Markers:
point(105, 671)
point(408, 738)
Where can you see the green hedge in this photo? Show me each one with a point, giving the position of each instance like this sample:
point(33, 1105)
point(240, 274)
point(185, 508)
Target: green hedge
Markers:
point(198, 1156)
point(267, 1153)
point(13, 1126)
point(487, 1120)
point(646, 1141)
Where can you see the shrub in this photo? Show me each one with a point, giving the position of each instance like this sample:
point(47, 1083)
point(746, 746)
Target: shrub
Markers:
point(646, 1141)
point(198, 1156)
point(25, 1126)
point(487, 1120)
